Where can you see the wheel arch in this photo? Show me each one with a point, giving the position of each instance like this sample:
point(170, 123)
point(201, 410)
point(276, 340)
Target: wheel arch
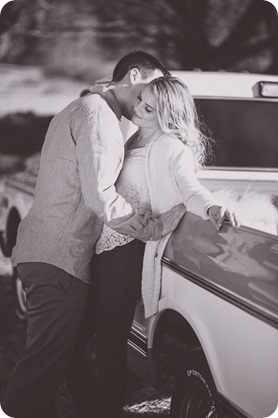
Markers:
point(173, 321)
point(181, 336)
point(173, 337)
point(191, 324)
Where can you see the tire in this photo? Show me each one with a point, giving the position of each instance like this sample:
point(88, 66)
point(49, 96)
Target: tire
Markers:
point(19, 297)
point(194, 394)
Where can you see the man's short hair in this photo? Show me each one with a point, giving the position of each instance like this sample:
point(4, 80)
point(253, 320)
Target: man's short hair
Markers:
point(145, 62)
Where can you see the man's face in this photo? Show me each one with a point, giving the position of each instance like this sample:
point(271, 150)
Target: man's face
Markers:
point(136, 89)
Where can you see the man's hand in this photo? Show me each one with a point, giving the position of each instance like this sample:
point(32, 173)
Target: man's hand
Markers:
point(171, 219)
point(219, 214)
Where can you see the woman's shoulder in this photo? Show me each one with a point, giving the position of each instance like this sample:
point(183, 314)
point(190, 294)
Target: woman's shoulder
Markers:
point(170, 144)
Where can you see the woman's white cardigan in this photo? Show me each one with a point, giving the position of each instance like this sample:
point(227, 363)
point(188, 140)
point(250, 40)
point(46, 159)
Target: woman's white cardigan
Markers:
point(171, 179)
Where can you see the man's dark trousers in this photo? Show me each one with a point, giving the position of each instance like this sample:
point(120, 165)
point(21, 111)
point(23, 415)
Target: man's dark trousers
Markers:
point(56, 304)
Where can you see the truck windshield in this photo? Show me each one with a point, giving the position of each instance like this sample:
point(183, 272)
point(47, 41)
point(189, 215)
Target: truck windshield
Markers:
point(245, 131)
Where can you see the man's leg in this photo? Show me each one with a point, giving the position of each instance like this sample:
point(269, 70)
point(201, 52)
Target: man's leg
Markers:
point(80, 380)
point(117, 275)
point(55, 308)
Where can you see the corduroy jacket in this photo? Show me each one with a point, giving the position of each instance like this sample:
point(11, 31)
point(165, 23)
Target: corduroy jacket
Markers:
point(80, 161)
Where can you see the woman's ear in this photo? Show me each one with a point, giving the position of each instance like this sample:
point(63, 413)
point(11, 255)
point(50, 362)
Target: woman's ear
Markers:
point(134, 76)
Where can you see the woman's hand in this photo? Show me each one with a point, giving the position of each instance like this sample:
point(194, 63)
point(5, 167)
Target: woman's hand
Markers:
point(219, 214)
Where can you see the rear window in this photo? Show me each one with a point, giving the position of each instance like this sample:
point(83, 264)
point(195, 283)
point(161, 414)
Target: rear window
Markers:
point(245, 131)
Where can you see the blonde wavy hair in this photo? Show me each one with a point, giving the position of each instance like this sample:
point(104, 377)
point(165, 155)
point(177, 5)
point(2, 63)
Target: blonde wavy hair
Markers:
point(177, 115)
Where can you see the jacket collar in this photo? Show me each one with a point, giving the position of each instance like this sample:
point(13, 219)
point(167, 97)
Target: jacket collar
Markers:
point(107, 94)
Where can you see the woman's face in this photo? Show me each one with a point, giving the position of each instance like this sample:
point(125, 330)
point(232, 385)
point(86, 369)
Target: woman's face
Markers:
point(145, 114)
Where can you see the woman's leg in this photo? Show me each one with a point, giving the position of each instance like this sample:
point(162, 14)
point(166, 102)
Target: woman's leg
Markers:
point(117, 275)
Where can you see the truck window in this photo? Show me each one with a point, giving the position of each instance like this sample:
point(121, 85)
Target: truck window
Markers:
point(245, 131)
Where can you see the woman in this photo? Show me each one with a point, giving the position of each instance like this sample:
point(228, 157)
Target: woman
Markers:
point(159, 172)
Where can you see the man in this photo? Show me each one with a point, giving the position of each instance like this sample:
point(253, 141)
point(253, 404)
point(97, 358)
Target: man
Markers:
point(80, 161)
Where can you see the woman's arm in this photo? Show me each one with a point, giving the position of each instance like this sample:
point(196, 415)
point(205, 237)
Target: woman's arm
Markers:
point(196, 197)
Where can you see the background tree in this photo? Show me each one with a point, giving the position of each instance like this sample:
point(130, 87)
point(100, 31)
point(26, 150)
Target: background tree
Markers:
point(84, 39)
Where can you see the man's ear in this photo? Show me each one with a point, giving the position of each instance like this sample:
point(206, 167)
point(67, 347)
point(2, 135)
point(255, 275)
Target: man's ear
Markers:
point(134, 75)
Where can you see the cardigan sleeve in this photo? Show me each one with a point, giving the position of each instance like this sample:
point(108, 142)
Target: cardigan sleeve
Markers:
point(195, 197)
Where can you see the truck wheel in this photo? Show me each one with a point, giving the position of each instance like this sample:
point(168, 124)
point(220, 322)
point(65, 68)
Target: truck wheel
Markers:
point(194, 394)
point(19, 296)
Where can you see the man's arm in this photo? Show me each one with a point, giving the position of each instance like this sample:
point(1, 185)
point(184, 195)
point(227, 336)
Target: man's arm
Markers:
point(154, 228)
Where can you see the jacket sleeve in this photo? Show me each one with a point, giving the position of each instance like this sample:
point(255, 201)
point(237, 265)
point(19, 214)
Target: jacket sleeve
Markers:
point(196, 198)
point(100, 152)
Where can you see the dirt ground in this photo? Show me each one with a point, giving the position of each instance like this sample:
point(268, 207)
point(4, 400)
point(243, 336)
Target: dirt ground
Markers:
point(142, 400)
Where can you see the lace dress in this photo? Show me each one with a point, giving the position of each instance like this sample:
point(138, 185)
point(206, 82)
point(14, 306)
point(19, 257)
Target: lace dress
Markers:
point(132, 185)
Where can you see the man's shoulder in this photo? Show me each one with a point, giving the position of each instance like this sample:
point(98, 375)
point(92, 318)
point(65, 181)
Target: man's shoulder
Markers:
point(93, 102)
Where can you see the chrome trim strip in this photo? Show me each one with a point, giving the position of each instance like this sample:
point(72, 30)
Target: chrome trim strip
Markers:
point(235, 98)
point(233, 299)
point(138, 341)
point(136, 348)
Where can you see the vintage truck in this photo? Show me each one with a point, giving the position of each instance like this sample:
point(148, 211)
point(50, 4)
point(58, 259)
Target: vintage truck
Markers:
point(214, 339)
